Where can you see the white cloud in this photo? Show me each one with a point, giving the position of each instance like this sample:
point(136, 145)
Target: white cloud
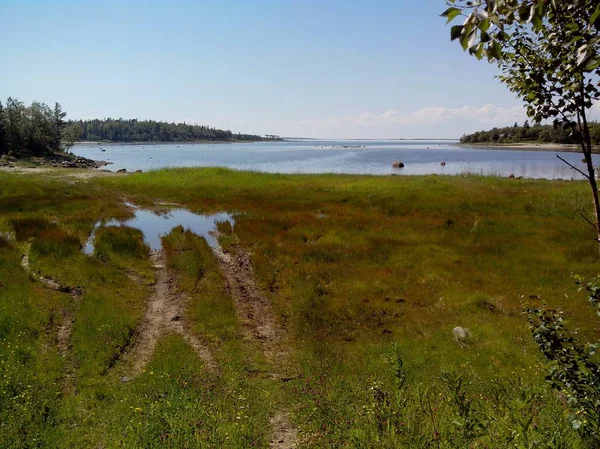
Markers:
point(430, 121)
point(431, 115)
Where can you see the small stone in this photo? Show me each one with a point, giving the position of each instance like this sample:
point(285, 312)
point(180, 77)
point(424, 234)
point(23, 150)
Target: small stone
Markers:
point(124, 379)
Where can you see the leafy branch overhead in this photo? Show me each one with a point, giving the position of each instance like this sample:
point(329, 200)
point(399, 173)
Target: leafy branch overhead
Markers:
point(540, 43)
point(489, 24)
point(549, 54)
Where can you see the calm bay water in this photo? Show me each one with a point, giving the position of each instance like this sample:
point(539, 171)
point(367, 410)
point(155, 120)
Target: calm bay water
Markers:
point(340, 156)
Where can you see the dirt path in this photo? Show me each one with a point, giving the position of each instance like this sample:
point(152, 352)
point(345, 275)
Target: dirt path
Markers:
point(253, 308)
point(284, 436)
point(260, 325)
point(73, 173)
point(164, 313)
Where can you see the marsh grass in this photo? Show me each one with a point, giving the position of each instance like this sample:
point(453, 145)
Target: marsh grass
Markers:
point(28, 401)
point(360, 269)
point(211, 309)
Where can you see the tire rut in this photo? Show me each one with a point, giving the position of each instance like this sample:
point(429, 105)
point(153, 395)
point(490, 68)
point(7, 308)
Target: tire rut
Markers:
point(164, 314)
point(65, 328)
point(254, 310)
point(260, 324)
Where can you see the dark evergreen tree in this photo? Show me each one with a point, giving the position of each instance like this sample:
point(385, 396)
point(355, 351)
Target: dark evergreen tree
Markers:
point(58, 123)
point(14, 125)
point(3, 144)
point(120, 130)
point(537, 133)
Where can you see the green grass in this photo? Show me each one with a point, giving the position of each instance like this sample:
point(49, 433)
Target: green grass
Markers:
point(363, 271)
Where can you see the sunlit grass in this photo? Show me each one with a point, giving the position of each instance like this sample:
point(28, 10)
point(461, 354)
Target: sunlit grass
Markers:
point(357, 268)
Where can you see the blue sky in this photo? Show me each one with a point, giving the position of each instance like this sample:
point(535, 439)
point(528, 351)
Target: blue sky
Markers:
point(340, 69)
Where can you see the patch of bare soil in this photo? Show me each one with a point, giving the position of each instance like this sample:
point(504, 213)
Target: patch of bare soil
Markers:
point(260, 325)
point(164, 314)
point(75, 174)
point(285, 435)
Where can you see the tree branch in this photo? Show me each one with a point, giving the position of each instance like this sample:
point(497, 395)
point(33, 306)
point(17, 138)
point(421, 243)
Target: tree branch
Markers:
point(588, 220)
point(573, 167)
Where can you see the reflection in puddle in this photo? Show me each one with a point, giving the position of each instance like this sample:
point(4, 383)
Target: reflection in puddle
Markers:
point(154, 226)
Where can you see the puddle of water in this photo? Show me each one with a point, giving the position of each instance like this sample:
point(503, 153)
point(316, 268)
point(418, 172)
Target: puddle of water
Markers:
point(154, 226)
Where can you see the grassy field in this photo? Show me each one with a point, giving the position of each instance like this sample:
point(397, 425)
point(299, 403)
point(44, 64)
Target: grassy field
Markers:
point(367, 276)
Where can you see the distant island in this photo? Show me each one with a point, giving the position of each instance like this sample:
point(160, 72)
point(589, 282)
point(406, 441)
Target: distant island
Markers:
point(40, 135)
point(526, 134)
point(133, 130)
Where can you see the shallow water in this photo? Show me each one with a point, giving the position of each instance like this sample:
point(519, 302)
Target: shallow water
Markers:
point(342, 156)
point(154, 226)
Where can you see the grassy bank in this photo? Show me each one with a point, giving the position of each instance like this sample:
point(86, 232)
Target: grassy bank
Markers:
point(367, 275)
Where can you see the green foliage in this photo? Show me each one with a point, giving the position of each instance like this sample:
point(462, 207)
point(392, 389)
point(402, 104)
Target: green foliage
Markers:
point(71, 135)
point(518, 134)
point(3, 141)
point(573, 372)
point(531, 42)
point(58, 123)
point(120, 130)
point(593, 290)
point(490, 26)
point(459, 411)
point(30, 131)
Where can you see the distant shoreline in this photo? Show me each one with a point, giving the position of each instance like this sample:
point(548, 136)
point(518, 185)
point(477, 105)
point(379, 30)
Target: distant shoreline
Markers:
point(186, 142)
point(527, 146)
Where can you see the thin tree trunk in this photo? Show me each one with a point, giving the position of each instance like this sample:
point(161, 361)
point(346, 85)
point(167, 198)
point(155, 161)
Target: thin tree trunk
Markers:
point(586, 146)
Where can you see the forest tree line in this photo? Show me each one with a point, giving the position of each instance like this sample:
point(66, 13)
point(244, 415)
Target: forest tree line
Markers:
point(120, 130)
point(38, 129)
point(35, 130)
point(527, 133)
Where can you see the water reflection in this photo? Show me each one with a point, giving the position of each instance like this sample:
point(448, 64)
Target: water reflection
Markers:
point(154, 226)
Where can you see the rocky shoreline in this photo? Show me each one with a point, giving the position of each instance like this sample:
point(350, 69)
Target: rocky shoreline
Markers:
point(55, 160)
